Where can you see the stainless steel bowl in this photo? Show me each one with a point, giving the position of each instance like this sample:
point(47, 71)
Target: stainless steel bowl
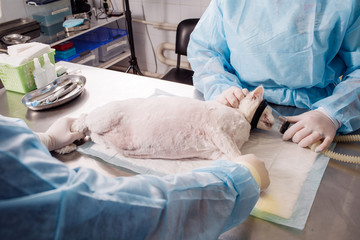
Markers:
point(15, 38)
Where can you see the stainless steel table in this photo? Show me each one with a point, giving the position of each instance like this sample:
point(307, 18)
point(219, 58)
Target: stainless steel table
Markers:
point(335, 213)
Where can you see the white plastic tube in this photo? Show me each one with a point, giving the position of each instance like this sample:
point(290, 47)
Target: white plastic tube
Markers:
point(338, 156)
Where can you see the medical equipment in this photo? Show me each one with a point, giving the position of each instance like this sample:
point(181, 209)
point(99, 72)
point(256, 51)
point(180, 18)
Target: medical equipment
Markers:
point(75, 23)
point(276, 122)
point(337, 156)
point(280, 124)
point(58, 92)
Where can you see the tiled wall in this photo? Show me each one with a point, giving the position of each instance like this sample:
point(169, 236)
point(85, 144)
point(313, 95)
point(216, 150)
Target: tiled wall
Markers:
point(169, 11)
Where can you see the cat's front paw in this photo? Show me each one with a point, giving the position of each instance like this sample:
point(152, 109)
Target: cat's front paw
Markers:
point(79, 124)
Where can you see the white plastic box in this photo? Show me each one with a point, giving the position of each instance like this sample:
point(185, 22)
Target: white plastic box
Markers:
point(111, 42)
point(49, 12)
point(112, 49)
point(89, 58)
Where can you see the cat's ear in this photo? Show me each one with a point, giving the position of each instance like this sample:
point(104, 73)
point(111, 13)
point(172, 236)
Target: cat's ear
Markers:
point(258, 93)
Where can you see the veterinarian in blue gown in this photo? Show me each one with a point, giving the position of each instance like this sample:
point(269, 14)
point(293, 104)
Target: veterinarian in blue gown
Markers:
point(296, 49)
point(41, 198)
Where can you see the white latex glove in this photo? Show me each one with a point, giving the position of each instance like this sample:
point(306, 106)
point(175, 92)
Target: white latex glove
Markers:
point(232, 96)
point(59, 134)
point(311, 127)
point(257, 169)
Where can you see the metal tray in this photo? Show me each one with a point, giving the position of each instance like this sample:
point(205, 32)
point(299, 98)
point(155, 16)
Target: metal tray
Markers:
point(85, 26)
point(20, 25)
point(56, 93)
point(70, 30)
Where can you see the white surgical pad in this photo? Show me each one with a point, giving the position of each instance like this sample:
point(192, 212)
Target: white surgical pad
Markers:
point(292, 170)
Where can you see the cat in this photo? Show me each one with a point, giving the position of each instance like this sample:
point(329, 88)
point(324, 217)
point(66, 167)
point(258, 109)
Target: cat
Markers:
point(174, 127)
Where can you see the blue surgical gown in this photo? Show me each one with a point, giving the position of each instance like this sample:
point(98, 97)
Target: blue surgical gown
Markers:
point(296, 49)
point(41, 198)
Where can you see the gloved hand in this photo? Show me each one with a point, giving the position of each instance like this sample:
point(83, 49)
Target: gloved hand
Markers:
point(59, 134)
point(311, 127)
point(257, 169)
point(232, 96)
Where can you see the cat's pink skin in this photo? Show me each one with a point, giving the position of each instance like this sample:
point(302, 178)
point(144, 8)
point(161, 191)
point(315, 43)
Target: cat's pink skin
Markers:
point(172, 127)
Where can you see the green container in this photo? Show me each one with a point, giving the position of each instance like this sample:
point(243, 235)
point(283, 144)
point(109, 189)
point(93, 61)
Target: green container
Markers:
point(20, 79)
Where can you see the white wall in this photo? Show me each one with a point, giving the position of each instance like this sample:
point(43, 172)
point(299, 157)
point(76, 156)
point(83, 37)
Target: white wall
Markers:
point(168, 11)
point(12, 9)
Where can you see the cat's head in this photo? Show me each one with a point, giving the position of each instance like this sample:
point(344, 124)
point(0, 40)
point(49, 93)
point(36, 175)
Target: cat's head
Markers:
point(249, 105)
point(266, 120)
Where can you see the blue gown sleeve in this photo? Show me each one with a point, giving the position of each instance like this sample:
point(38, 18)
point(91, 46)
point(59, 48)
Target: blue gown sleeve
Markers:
point(209, 55)
point(344, 103)
point(41, 198)
point(319, 47)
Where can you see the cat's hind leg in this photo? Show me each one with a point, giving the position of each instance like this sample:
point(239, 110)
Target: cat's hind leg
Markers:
point(227, 146)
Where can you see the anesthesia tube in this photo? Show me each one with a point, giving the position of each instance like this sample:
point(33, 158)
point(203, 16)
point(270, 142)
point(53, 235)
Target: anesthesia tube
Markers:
point(338, 156)
point(279, 123)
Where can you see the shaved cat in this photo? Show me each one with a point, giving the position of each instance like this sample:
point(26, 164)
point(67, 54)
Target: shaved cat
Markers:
point(174, 127)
